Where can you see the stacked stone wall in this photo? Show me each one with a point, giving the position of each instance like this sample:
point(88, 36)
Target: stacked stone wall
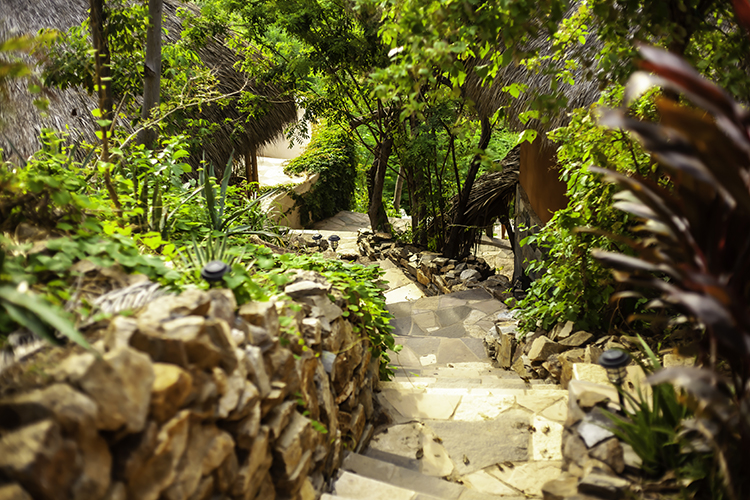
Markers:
point(195, 398)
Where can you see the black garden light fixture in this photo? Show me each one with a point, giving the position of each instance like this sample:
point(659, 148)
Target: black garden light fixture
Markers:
point(334, 240)
point(214, 271)
point(318, 239)
point(615, 362)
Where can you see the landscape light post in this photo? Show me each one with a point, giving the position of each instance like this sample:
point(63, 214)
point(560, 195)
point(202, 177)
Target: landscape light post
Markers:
point(615, 362)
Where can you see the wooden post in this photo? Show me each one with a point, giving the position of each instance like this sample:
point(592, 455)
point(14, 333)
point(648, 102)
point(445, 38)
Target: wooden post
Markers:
point(251, 170)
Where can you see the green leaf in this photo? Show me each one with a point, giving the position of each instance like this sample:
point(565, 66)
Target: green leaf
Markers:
point(45, 312)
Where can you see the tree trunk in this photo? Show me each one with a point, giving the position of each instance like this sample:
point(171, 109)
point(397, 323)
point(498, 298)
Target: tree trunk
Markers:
point(376, 212)
point(399, 188)
point(151, 71)
point(102, 61)
point(453, 246)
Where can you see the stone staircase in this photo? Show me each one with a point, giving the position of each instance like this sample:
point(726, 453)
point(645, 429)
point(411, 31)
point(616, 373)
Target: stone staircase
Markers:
point(458, 427)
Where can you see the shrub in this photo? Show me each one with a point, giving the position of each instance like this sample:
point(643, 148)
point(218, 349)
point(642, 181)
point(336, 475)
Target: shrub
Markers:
point(693, 248)
point(332, 154)
point(573, 286)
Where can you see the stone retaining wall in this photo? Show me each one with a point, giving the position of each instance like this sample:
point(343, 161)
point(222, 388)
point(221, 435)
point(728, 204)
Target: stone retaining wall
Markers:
point(434, 273)
point(195, 398)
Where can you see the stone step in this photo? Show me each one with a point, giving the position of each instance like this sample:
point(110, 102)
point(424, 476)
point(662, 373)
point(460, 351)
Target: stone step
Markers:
point(407, 478)
point(406, 401)
point(385, 472)
point(349, 485)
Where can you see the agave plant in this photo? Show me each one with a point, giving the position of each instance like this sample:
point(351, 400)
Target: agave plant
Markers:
point(222, 220)
point(694, 245)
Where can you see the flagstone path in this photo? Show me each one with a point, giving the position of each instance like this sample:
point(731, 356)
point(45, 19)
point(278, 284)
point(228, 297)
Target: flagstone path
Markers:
point(460, 429)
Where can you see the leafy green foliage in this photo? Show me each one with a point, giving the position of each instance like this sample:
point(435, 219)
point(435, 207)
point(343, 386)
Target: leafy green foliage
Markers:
point(651, 425)
point(366, 304)
point(331, 153)
point(692, 246)
point(574, 286)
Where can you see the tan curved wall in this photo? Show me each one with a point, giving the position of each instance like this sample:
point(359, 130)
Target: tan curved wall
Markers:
point(539, 177)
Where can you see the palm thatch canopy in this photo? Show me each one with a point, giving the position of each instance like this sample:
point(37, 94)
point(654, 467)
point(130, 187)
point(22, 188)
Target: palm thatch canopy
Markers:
point(490, 97)
point(70, 109)
point(490, 199)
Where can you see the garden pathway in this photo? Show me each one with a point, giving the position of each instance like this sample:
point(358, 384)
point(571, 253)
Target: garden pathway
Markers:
point(459, 429)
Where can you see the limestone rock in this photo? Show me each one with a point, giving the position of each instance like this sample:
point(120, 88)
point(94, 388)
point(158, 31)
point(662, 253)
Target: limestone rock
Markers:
point(266, 490)
point(248, 400)
point(226, 473)
point(151, 476)
point(223, 304)
point(172, 386)
point(603, 485)
point(40, 459)
point(120, 384)
point(256, 464)
point(542, 348)
point(221, 336)
point(311, 331)
point(207, 447)
point(671, 360)
point(279, 417)
point(592, 354)
point(553, 366)
point(247, 429)
point(323, 307)
point(261, 314)
point(305, 288)
point(205, 489)
point(594, 430)
point(610, 452)
point(292, 444)
point(13, 491)
point(562, 330)
point(574, 450)
point(577, 339)
point(470, 274)
point(71, 409)
point(522, 366)
point(590, 399)
point(117, 491)
point(505, 351)
point(256, 369)
point(230, 398)
point(566, 485)
point(358, 422)
point(96, 471)
point(119, 332)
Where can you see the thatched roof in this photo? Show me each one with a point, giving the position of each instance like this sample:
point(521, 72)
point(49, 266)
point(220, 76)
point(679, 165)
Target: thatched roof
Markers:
point(490, 199)
point(71, 108)
point(490, 97)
